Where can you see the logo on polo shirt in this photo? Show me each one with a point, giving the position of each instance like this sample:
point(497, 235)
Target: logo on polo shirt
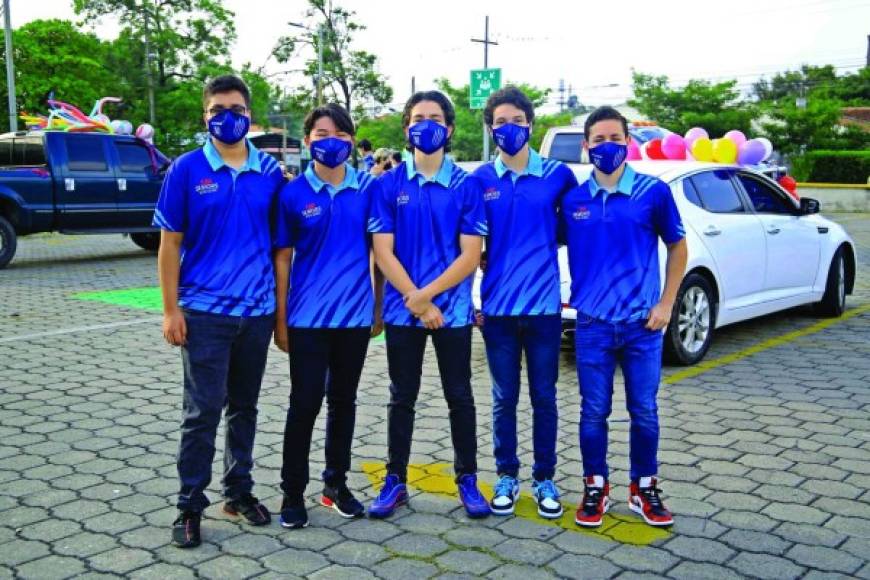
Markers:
point(491, 194)
point(206, 185)
point(403, 198)
point(311, 210)
point(581, 213)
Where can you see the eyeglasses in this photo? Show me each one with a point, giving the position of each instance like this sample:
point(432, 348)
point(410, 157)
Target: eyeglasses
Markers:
point(218, 109)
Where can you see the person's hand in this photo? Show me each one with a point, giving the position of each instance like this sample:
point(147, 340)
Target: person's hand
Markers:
point(377, 326)
point(417, 301)
point(659, 316)
point(282, 337)
point(432, 318)
point(174, 328)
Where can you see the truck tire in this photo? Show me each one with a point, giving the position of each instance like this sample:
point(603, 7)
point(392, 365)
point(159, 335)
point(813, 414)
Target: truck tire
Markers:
point(8, 242)
point(147, 240)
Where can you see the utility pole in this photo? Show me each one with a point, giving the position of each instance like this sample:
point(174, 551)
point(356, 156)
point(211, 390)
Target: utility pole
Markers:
point(320, 64)
point(10, 69)
point(486, 42)
point(561, 101)
point(148, 72)
point(413, 85)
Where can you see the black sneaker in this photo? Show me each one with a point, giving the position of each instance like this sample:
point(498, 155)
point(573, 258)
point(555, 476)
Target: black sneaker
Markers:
point(341, 500)
point(250, 508)
point(185, 530)
point(293, 513)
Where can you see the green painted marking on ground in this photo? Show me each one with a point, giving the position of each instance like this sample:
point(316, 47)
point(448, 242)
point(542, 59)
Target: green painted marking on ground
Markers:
point(143, 298)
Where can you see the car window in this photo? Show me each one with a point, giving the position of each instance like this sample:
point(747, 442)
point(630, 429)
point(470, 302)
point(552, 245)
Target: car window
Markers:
point(691, 193)
point(644, 134)
point(28, 151)
point(134, 157)
point(764, 198)
point(566, 147)
point(716, 192)
point(85, 153)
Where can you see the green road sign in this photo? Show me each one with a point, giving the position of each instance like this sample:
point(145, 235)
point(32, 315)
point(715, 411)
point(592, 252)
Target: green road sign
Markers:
point(484, 82)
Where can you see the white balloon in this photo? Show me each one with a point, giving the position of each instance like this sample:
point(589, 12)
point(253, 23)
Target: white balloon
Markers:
point(768, 147)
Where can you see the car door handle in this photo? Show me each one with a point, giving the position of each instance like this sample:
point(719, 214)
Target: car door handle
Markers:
point(712, 231)
point(822, 229)
point(772, 230)
point(122, 184)
point(69, 184)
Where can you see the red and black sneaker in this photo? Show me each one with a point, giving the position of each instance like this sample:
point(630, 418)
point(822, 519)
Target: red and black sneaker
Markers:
point(596, 502)
point(643, 498)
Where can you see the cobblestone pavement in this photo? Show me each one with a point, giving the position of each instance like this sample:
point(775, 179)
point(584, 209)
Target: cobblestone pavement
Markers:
point(765, 453)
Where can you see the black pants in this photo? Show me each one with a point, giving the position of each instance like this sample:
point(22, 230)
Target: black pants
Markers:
point(405, 348)
point(322, 361)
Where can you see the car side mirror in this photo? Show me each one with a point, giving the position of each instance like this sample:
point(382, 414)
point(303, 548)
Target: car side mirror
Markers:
point(810, 206)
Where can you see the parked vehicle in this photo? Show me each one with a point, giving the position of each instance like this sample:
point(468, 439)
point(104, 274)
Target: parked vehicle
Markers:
point(566, 143)
point(77, 183)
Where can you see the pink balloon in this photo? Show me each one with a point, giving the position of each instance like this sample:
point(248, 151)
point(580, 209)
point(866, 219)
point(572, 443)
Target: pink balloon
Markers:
point(633, 152)
point(674, 147)
point(737, 136)
point(693, 134)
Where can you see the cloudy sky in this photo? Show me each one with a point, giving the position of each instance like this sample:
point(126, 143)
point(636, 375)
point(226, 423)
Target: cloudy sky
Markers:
point(592, 46)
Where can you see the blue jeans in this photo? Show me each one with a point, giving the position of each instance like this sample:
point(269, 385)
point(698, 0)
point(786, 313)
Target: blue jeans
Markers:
point(506, 338)
point(224, 360)
point(600, 346)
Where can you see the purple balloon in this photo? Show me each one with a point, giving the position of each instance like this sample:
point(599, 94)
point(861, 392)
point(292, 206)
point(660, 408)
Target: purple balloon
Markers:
point(751, 153)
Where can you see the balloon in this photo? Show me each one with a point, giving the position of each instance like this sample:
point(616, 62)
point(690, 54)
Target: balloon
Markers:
point(633, 152)
point(145, 132)
point(654, 149)
point(737, 136)
point(768, 147)
point(694, 134)
point(117, 126)
point(724, 151)
point(702, 149)
point(790, 185)
point(751, 152)
point(689, 156)
point(674, 147)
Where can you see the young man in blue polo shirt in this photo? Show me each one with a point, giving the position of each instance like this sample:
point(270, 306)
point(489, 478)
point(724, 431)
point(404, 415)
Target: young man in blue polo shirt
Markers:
point(326, 307)
point(613, 223)
point(428, 227)
point(218, 290)
point(520, 295)
point(367, 153)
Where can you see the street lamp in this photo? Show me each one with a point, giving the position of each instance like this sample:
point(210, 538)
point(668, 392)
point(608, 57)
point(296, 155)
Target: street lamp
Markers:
point(319, 57)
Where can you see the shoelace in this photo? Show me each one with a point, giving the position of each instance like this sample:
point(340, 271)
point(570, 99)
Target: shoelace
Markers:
point(504, 486)
point(651, 495)
point(547, 489)
point(591, 499)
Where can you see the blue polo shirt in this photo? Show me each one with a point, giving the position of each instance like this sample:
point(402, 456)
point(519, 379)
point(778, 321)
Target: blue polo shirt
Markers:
point(427, 217)
point(368, 162)
point(613, 245)
point(522, 265)
point(226, 218)
point(330, 282)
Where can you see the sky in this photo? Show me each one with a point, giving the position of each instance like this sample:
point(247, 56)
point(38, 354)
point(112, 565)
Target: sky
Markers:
point(590, 46)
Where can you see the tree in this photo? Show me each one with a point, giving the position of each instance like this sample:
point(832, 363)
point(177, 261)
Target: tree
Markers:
point(349, 75)
point(717, 107)
point(794, 130)
point(383, 131)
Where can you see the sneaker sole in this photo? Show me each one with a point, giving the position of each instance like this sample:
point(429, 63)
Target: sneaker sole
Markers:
point(405, 501)
point(476, 516)
point(598, 523)
point(505, 511)
point(550, 515)
point(292, 526)
point(328, 503)
point(639, 510)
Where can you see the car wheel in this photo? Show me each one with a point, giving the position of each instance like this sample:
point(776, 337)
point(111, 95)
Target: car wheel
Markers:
point(691, 328)
point(147, 241)
point(833, 302)
point(8, 242)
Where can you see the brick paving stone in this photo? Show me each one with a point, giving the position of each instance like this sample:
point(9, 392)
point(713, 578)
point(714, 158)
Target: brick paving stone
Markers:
point(121, 560)
point(230, 567)
point(576, 566)
point(766, 566)
point(698, 571)
point(700, 549)
point(405, 568)
point(356, 554)
point(51, 567)
point(518, 572)
point(526, 551)
point(823, 558)
point(642, 559)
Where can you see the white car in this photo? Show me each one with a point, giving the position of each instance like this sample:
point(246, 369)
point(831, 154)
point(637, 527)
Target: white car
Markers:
point(753, 249)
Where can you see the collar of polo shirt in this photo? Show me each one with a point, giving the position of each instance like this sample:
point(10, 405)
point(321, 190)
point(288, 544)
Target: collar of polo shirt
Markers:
point(350, 181)
point(442, 176)
point(535, 166)
point(624, 185)
point(252, 163)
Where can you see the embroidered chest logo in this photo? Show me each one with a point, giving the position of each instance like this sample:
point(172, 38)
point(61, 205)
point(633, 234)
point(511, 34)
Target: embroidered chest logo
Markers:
point(311, 210)
point(403, 198)
point(491, 194)
point(581, 213)
point(205, 185)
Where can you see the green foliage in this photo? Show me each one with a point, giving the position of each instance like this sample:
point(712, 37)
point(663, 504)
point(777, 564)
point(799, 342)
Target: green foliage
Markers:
point(793, 130)
point(544, 123)
point(384, 131)
point(838, 166)
point(815, 82)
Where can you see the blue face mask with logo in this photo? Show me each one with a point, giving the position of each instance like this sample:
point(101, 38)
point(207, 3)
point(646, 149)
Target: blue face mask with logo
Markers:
point(511, 138)
point(229, 127)
point(608, 156)
point(331, 151)
point(428, 136)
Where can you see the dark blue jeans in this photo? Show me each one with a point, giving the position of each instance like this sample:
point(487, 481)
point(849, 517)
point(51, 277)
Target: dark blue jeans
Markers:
point(224, 360)
point(405, 348)
point(323, 361)
point(506, 338)
point(600, 347)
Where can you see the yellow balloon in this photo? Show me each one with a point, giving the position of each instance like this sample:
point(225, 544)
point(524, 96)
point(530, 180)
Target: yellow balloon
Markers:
point(702, 149)
point(724, 150)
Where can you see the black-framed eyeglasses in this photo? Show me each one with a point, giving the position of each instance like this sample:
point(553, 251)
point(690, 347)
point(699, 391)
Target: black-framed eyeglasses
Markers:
point(218, 109)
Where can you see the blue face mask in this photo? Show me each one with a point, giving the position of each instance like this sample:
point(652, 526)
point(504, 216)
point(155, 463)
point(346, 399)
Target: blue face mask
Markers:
point(608, 156)
point(331, 151)
point(428, 136)
point(228, 127)
point(511, 138)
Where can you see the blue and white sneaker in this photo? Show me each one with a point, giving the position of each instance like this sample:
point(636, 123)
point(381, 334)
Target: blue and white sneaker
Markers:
point(475, 504)
point(393, 494)
point(547, 497)
point(504, 496)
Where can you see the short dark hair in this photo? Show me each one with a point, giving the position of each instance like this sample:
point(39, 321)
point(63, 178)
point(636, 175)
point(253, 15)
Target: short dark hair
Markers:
point(509, 95)
point(334, 111)
point(365, 145)
point(604, 113)
point(436, 97)
point(225, 84)
point(396, 157)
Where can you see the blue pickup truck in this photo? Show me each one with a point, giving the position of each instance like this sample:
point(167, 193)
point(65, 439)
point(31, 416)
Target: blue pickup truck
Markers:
point(77, 183)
